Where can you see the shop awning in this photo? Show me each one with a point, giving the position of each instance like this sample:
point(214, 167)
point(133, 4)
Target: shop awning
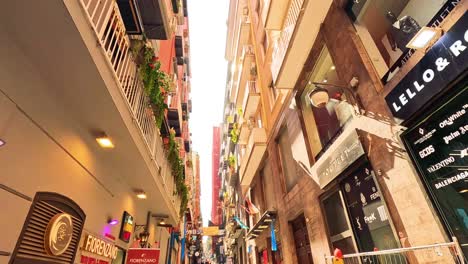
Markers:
point(262, 224)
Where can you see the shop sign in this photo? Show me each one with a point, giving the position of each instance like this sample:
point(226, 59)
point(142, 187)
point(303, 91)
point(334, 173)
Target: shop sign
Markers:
point(333, 162)
point(99, 247)
point(212, 231)
point(127, 227)
point(408, 53)
point(58, 234)
point(143, 255)
point(440, 66)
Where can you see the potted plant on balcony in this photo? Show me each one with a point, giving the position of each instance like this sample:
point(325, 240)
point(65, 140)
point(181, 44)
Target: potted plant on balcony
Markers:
point(232, 163)
point(235, 133)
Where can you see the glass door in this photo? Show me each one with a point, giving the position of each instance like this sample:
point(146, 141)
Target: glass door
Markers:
point(339, 229)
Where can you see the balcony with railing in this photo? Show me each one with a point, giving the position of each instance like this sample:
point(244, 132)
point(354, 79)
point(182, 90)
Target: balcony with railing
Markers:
point(106, 21)
point(282, 44)
point(154, 17)
point(251, 100)
point(246, 71)
point(254, 151)
point(298, 34)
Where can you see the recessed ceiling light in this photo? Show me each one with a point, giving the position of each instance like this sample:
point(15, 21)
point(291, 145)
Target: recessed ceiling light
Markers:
point(325, 80)
point(332, 67)
point(104, 141)
point(141, 195)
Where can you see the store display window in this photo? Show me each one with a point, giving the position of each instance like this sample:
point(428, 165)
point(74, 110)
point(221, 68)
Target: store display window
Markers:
point(438, 145)
point(324, 124)
point(386, 26)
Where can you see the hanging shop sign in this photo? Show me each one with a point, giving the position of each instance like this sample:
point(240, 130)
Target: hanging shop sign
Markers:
point(58, 234)
point(443, 63)
point(143, 255)
point(127, 227)
point(346, 149)
point(99, 247)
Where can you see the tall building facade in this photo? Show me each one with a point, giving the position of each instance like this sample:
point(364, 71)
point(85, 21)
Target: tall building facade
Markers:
point(87, 140)
point(337, 130)
point(216, 181)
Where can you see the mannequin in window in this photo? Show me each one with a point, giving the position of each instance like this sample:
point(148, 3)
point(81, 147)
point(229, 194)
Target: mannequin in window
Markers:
point(402, 30)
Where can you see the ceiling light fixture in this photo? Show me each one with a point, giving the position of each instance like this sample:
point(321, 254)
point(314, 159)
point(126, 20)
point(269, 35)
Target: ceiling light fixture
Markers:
point(141, 194)
point(2, 142)
point(332, 67)
point(463, 191)
point(104, 141)
point(425, 37)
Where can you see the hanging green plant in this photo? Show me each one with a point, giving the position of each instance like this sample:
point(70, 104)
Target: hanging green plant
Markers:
point(157, 83)
point(178, 170)
point(235, 133)
point(232, 161)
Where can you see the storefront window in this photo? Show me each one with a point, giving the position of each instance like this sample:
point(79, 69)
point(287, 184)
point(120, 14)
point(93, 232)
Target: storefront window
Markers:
point(386, 26)
point(439, 147)
point(288, 164)
point(120, 259)
point(324, 124)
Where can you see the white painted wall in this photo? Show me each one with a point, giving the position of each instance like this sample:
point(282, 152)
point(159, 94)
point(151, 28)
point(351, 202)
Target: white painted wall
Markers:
point(32, 161)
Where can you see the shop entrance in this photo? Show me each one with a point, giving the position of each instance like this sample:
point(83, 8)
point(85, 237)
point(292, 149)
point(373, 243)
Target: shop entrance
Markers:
point(301, 240)
point(356, 215)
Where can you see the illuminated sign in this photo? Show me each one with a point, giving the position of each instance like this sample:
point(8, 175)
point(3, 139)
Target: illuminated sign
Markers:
point(441, 65)
point(99, 247)
point(126, 228)
point(58, 234)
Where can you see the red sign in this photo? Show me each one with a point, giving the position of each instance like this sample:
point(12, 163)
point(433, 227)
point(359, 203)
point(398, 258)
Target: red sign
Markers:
point(143, 255)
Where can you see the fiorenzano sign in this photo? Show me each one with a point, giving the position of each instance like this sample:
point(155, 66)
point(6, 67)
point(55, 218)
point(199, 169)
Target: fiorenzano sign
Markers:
point(99, 247)
point(143, 255)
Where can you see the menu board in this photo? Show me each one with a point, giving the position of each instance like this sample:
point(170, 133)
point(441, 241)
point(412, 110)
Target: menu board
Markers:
point(438, 146)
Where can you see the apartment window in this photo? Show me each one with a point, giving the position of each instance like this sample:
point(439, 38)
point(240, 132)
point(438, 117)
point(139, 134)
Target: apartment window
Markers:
point(288, 164)
point(386, 26)
point(324, 124)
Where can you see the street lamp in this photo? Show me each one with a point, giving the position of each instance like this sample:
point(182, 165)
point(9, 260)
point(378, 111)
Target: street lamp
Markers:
point(144, 236)
point(320, 95)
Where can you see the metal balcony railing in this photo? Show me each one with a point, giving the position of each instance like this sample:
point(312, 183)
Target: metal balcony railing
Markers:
point(281, 45)
point(106, 21)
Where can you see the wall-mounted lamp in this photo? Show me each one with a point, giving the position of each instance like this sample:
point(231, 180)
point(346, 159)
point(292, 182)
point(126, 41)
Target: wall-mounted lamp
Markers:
point(320, 95)
point(425, 38)
point(144, 236)
point(112, 221)
point(104, 140)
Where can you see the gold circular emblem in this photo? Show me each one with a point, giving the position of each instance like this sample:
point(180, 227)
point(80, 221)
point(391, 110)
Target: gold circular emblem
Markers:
point(58, 234)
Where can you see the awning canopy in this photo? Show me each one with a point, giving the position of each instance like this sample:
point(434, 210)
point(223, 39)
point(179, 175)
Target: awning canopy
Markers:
point(262, 224)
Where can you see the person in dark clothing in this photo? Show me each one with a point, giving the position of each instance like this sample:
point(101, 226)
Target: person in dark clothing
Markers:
point(402, 30)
